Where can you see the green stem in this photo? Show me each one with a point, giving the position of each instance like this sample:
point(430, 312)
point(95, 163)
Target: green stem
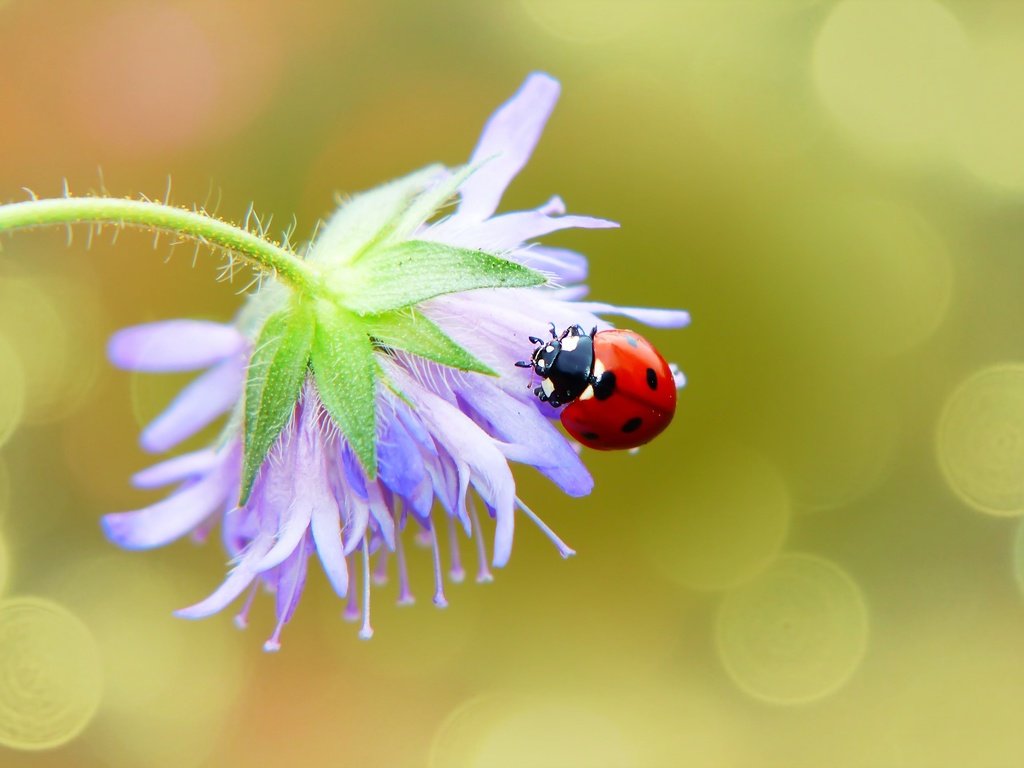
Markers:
point(260, 253)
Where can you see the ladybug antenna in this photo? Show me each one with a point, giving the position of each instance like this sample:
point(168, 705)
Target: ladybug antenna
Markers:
point(535, 340)
point(593, 332)
point(523, 364)
point(563, 549)
point(554, 333)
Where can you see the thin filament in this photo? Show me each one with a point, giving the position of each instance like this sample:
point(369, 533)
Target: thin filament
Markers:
point(563, 549)
point(439, 599)
point(483, 574)
point(366, 632)
point(456, 573)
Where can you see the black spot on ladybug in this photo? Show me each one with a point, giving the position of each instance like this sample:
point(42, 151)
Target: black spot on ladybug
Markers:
point(652, 378)
point(631, 341)
point(633, 424)
point(591, 436)
point(605, 386)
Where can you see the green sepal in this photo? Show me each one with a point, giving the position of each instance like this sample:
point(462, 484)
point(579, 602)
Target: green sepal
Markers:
point(401, 275)
point(369, 217)
point(412, 332)
point(280, 361)
point(430, 202)
point(346, 377)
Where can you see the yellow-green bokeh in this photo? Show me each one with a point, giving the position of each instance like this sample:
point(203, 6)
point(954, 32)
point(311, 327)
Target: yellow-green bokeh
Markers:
point(795, 573)
point(12, 391)
point(50, 677)
point(796, 633)
point(981, 440)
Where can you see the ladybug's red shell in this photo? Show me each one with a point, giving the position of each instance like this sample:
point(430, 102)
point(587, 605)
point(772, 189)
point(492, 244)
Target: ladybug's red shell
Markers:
point(635, 406)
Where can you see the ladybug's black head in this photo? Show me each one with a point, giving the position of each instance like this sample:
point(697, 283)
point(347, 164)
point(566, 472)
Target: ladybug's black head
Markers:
point(544, 357)
point(564, 364)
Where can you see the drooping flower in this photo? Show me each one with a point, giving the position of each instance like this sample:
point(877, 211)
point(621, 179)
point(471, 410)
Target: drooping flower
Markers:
point(385, 398)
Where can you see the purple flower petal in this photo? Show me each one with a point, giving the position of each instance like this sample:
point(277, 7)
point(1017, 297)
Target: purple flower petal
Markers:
point(173, 517)
point(307, 477)
point(197, 405)
point(444, 479)
point(176, 470)
point(465, 476)
point(506, 144)
point(656, 318)
point(294, 523)
point(291, 578)
point(509, 231)
point(461, 438)
point(567, 266)
point(174, 345)
point(513, 420)
point(416, 429)
point(240, 527)
point(233, 586)
point(353, 472)
point(356, 523)
point(325, 526)
point(400, 464)
point(572, 293)
point(381, 514)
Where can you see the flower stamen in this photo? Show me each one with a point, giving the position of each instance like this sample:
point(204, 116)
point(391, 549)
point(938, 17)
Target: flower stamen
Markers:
point(563, 549)
point(483, 574)
point(351, 612)
point(366, 632)
point(380, 570)
point(242, 618)
point(456, 573)
point(439, 599)
point(404, 592)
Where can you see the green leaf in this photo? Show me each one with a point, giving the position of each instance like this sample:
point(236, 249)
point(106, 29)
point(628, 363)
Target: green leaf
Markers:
point(277, 369)
point(400, 275)
point(346, 377)
point(368, 217)
point(409, 330)
point(430, 202)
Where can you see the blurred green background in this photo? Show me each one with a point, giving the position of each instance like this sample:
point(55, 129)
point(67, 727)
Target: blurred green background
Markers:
point(819, 564)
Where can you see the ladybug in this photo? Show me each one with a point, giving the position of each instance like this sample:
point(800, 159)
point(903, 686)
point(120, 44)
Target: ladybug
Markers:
point(618, 390)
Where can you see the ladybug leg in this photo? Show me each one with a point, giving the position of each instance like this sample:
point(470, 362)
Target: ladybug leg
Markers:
point(539, 392)
point(593, 332)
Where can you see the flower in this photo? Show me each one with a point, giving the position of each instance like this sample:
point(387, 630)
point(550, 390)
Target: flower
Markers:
point(367, 409)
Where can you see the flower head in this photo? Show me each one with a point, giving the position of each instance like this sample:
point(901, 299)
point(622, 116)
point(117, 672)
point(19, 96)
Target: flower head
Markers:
point(383, 396)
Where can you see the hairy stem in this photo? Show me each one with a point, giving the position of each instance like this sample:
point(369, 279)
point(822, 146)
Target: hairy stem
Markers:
point(258, 252)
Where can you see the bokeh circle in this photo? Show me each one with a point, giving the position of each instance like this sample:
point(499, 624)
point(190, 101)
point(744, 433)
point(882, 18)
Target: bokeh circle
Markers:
point(796, 633)
point(980, 440)
point(51, 681)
